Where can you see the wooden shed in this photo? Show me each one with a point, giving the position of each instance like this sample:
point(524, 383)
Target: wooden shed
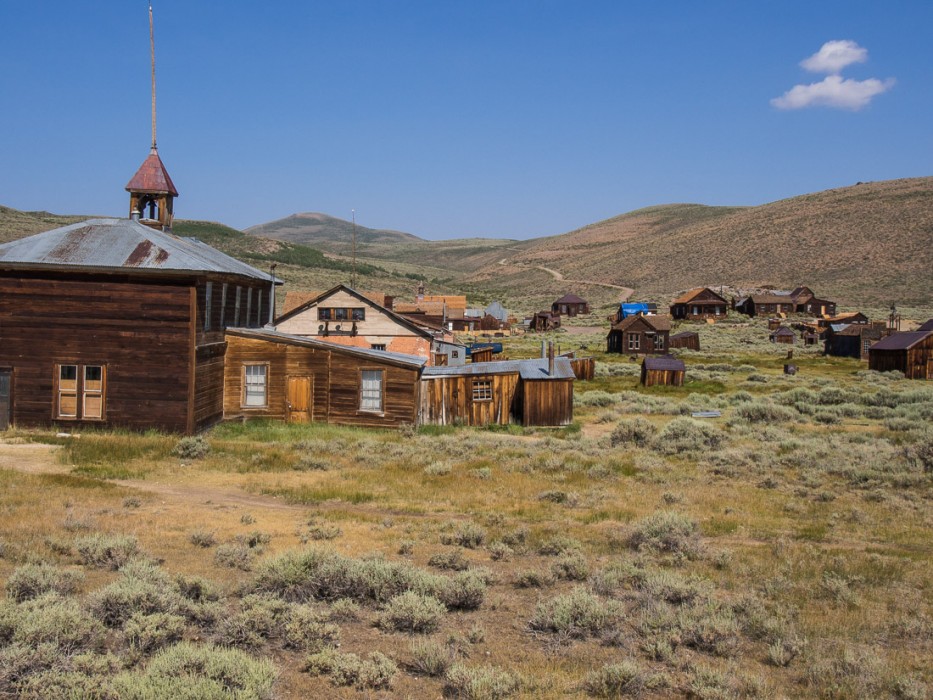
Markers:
point(685, 339)
point(783, 335)
point(570, 305)
point(853, 340)
point(665, 370)
point(910, 352)
point(544, 321)
point(527, 392)
point(269, 374)
point(699, 304)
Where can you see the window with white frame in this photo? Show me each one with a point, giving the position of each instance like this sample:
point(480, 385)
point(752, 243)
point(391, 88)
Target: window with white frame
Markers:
point(482, 390)
point(80, 392)
point(255, 385)
point(371, 390)
point(659, 342)
point(634, 341)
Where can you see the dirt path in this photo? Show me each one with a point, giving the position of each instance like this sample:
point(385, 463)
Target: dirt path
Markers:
point(559, 276)
point(42, 459)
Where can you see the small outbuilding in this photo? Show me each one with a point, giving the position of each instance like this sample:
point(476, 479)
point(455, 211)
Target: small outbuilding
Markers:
point(570, 305)
point(910, 352)
point(853, 340)
point(685, 339)
point(783, 335)
point(664, 370)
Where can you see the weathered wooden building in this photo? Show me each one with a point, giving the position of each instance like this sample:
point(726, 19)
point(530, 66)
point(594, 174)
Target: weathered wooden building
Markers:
point(640, 335)
point(783, 334)
point(118, 322)
point(851, 317)
point(346, 317)
point(806, 302)
point(910, 352)
point(664, 370)
point(699, 304)
point(685, 339)
point(527, 392)
point(570, 305)
point(544, 321)
point(766, 304)
point(270, 374)
point(853, 340)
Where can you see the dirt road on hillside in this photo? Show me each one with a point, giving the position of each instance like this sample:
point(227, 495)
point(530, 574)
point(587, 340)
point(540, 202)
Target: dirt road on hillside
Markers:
point(557, 275)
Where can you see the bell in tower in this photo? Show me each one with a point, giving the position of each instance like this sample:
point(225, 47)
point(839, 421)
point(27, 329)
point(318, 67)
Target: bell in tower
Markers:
point(152, 192)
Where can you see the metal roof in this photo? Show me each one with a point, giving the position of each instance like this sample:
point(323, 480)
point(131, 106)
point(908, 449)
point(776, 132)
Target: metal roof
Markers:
point(124, 244)
point(304, 341)
point(152, 177)
point(664, 363)
point(570, 299)
point(498, 311)
point(526, 369)
point(901, 341)
point(685, 334)
point(927, 326)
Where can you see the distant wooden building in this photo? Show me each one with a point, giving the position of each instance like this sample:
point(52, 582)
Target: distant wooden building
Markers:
point(783, 335)
point(120, 323)
point(699, 304)
point(853, 340)
point(806, 302)
point(664, 370)
point(926, 326)
point(544, 321)
point(766, 304)
point(910, 352)
point(685, 339)
point(526, 392)
point(640, 335)
point(856, 317)
point(269, 374)
point(570, 305)
point(344, 316)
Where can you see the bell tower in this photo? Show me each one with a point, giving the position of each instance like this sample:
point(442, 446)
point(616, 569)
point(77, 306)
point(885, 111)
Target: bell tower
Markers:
point(152, 193)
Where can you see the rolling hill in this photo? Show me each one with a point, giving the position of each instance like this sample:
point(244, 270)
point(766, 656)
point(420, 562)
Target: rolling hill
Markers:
point(327, 232)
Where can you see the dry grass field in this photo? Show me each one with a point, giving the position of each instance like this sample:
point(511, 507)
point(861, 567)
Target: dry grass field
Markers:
point(781, 550)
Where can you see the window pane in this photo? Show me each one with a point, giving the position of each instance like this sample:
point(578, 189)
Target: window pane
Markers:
point(371, 391)
point(255, 385)
point(359, 314)
point(341, 314)
point(68, 373)
point(93, 406)
point(68, 405)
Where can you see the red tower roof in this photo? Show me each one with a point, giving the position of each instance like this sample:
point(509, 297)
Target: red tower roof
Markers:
point(152, 177)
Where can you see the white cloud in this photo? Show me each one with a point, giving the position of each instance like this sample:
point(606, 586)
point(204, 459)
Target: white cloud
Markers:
point(833, 56)
point(833, 91)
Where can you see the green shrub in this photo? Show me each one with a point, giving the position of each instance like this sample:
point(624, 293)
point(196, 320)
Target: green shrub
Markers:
point(58, 622)
point(32, 580)
point(192, 448)
point(465, 591)
point(920, 453)
point(148, 632)
point(666, 531)
point(559, 544)
point(596, 398)
point(467, 535)
point(313, 463)
point(500, 551)
point(636, 431)
point(624, 679)
point(429, 658)
point(453, 560)
point(235, 555)
point(687, 435)
point(142, 588)
point(571, 567)
point(576, 614)
point(349, 670)
point(106, 551)
point(309, 630)
point(479, 683)
point(533, 579)
point(202, 538)
point(188, 671)
point(438, 469)
point(762, 412)
point(412, 612)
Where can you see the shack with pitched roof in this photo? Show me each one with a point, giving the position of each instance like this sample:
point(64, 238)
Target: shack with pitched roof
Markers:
point(910, 352)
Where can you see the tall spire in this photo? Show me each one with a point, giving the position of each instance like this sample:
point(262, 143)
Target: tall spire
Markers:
point(152, 60)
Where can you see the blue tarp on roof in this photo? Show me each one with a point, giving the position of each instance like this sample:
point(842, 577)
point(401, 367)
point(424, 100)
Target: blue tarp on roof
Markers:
point(633, 309)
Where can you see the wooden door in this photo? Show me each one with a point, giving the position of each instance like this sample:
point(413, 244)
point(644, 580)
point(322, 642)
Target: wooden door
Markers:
point(6, 402)
point(299, 400)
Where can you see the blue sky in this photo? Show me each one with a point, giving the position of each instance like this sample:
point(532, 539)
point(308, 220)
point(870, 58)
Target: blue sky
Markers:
point(503, 118)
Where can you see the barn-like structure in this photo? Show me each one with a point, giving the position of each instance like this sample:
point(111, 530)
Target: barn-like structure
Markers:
point(910, 352)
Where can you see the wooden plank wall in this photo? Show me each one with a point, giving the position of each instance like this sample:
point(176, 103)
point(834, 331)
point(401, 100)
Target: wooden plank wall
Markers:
point(584, 368)
point(915, 363)
point(664, 377)
point(138, 329)
point(448, 400)
point(209, 385)
point(335, 383)
point(547, 402)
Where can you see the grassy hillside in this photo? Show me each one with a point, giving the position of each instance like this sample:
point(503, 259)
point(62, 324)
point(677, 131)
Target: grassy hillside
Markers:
point(15, 224)
point(326, 232)
point(870, 243)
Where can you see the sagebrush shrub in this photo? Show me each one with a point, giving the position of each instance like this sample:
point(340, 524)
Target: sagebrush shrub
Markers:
point(469, 535)
point(375, 673)
point(687, 435)
point(576, 614)
point(192, 448)
point(32, 580)
point(309, 630)
point(480, 683)
point(235, 555)
point(429, 658)
point(106, 551)
point(412, 612)
point(453, 560)
point(666, 531)
point(636, 431)
point(148, 632)
point(465, 591)
point(624, 679)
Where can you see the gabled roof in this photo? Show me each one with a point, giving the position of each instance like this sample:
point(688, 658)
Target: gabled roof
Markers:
point(274, 336)
point(664, 363)
point(857, 329)
point(687, 297)
point(401, 320)
point(783, 330)
point(526, 369)
point(901, 341)
point(294, 299)
point(927, 326)
point(152, 177)
point(685, 334)
point(570, 299)
point(840, 318)
point(124, 244)
point(658, 323)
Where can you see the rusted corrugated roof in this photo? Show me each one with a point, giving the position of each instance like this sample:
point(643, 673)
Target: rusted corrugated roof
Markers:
point(664, 363)
point(120, 244)
point(152, 177)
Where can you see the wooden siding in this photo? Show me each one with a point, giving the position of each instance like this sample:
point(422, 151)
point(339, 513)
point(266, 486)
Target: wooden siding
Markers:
point(209, 385)
point(139, 331)
point(335, 380)
point(448, 400)
point(547, 402)
point(705, 304)
point(688, 340)
point(584, 368)
point(663, 377)
point(915, 362)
